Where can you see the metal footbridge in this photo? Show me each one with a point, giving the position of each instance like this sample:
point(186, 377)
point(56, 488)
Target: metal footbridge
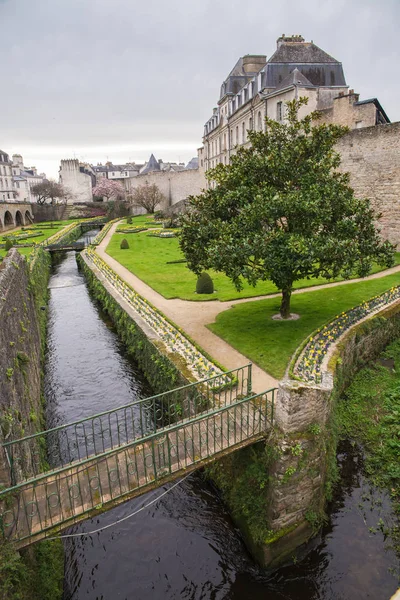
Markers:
point(83, 468)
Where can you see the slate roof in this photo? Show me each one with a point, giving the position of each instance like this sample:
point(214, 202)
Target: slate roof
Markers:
point(193, 163)
point(295, 78)
point(300, 52)
point(316, 65)
point(152, 165)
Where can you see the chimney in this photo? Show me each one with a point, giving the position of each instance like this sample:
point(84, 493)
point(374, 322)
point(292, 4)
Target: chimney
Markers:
point(252, 63)
point(293, 39)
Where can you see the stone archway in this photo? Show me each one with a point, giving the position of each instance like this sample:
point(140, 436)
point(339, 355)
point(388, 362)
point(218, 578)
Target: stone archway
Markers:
point(19, 219)
point(8, 219)
point(28, 217)
point(1, 225)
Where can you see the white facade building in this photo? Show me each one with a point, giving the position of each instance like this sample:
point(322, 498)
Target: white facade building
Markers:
point(257, 88)
point(24, 179)
point(7, 191)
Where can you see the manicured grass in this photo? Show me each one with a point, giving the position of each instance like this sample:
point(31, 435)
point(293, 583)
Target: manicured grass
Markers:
point(147, 258)
point(248, 327)
point(46, 233)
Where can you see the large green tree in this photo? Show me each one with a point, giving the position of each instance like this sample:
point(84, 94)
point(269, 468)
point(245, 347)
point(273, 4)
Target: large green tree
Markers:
point(282, 211)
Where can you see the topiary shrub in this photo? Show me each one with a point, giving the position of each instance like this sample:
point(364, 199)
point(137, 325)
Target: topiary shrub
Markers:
point(204, 284)
point(9, 244)
point(129, 220)
point(124, 244)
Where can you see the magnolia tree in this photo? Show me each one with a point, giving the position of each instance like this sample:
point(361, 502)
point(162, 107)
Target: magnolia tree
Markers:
point(49, 190)
point(147, 196)
point(106, 188)
point(282, 211)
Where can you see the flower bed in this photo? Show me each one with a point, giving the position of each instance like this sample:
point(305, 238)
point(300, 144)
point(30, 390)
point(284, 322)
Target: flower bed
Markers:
point(22, 236)
point(102, 234)
point(308, 361)
point(163, 234)
point(198, 364)
point(125, 229)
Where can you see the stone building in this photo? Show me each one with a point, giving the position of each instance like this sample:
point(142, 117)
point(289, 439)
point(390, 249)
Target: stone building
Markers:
point(7, 191)
point(78, 179)
point(257, 87)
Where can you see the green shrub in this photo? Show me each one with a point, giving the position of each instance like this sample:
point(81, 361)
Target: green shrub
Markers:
point(124, 244)
point(9, 244)
point(129, 220)
point(204, 284)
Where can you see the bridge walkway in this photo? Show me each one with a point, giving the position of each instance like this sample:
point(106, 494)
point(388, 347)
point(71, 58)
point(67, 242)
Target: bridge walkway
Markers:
point(120, 468)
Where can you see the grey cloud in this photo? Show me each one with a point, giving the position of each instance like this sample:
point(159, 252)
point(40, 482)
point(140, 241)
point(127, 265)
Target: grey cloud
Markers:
point(81, 72)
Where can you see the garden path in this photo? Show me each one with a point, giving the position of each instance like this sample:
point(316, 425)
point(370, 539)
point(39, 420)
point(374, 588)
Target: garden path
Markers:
point(193, 317)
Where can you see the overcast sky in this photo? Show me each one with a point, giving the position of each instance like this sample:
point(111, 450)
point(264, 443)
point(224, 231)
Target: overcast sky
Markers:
point(119, 79)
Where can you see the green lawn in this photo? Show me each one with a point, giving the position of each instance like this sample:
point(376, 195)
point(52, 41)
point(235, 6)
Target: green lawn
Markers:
point(147, 258)
point(46, 233)
point(249, 328)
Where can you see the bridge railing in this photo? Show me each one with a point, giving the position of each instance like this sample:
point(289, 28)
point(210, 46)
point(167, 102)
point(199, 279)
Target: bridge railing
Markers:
point(91, 436)
point(68, 494)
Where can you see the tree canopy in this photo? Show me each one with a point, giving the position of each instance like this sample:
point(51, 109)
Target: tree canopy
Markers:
point(282, 211)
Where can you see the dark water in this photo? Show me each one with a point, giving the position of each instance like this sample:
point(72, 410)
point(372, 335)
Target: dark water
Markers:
point(185, 545)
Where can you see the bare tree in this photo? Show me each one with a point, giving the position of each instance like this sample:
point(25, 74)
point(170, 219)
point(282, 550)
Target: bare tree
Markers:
point(147, 196)
point(49, 190)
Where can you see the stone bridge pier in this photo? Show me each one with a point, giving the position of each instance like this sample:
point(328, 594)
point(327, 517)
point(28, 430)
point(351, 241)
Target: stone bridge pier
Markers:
point(15, 214)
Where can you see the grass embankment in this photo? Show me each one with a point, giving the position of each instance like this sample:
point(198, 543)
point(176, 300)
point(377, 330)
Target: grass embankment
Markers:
point(369, 414)
point(148, 258)
point(249, 328)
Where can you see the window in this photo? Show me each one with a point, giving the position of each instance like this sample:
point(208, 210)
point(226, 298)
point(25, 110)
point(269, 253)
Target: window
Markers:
point(259, 122)
point(250, 123)
point(243, 132)
point(237, 135)
point(224, 141)
point(113, 174)
point(279, 112)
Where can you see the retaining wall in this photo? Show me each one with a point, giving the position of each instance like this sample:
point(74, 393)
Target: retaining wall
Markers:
point(21, 347)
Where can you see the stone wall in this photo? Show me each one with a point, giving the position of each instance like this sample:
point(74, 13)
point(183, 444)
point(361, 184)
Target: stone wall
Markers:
point(303, 414)
point(372, 156)
point(175, 185)
point(20, 357)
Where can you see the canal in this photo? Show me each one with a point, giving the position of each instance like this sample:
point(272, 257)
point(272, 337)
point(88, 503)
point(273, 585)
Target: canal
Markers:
point(185, 545)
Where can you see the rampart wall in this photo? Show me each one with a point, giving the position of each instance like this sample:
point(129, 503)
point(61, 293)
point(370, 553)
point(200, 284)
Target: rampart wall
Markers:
point(175, 185)
point(372, 157)
point(20, 352)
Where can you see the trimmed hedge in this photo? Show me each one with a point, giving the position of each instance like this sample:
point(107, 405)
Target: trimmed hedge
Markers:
point(204, 284)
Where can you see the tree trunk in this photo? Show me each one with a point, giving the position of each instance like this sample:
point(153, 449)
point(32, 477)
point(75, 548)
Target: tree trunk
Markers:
point(285, 303)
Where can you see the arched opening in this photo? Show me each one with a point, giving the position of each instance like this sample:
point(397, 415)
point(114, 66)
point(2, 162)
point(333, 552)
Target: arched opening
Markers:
point(8, 219)
point(28, 217)
point(19, 221)
point(1, 225)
